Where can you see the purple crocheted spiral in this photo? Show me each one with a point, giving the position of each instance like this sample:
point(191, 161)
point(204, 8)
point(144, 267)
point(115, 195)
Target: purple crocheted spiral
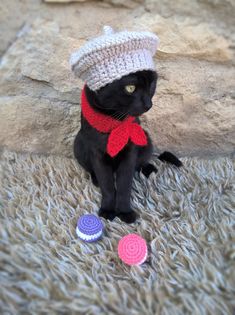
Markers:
point(89, 228)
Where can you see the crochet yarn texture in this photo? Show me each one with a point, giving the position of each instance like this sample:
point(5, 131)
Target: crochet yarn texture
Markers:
point(89, 228)
point(120, 131)
point(132, 249)
point(113, 55)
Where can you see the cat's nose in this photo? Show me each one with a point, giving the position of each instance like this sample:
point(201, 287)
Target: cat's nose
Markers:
point(148, 105)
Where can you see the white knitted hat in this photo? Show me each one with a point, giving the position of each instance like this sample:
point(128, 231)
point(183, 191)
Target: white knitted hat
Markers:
point(110, 56)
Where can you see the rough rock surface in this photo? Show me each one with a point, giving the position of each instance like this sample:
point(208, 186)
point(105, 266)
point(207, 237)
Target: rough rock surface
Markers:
point(194, 108)
point(39, 108)
point(120, 3)
point(185, 37)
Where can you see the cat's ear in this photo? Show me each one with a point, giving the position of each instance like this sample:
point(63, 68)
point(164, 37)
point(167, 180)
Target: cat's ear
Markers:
point(155, 75)
point(153, 86)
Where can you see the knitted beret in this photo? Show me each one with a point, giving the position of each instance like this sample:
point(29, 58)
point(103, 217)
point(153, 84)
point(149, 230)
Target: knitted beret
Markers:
point(110, 56)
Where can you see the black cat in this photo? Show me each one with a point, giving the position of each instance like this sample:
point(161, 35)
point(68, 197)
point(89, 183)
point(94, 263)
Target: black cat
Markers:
point(130, 95)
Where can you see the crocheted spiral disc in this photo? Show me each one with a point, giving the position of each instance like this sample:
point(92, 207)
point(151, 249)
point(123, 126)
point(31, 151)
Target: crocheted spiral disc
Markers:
point(132, 249)
point(89, 228)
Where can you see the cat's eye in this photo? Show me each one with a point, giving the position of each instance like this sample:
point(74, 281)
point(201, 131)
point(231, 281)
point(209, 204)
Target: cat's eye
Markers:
point(130, 88)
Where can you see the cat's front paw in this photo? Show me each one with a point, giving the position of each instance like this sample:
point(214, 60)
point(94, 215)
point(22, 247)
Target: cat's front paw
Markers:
point(107, 214)
point(148, 169)
point(94, 179)
point(128, 217)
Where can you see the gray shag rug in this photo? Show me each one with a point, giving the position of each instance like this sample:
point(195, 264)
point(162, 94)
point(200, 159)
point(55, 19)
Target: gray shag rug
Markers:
point(187, 219)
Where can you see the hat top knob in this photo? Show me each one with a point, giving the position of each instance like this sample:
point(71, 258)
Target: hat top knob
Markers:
point(107, 30)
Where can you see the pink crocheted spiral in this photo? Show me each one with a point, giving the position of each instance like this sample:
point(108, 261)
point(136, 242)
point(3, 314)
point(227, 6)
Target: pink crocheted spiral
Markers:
point(132, 249)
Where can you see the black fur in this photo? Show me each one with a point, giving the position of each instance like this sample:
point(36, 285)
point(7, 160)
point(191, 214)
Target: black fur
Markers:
point(170, 158)
point(114, 175)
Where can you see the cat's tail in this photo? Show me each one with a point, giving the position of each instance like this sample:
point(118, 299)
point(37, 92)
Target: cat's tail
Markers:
point(170, 158)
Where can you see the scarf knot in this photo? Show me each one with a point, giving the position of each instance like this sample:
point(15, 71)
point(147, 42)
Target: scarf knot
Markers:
point(120, 131)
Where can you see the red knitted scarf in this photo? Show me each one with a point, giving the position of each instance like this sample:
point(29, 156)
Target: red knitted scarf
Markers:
point(120, 131)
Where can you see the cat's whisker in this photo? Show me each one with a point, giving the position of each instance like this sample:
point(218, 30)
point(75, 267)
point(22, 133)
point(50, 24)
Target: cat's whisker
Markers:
point(102, 107)
point(120, 115)
point(117, 115)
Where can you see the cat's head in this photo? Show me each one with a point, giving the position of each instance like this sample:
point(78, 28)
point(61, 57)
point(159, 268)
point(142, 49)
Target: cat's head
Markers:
point(130, 95)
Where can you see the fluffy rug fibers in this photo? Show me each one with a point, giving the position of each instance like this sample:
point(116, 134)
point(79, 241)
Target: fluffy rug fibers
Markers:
point(187, 217)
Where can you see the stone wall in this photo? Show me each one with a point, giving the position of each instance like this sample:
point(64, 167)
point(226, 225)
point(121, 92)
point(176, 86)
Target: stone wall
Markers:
point(194, 108)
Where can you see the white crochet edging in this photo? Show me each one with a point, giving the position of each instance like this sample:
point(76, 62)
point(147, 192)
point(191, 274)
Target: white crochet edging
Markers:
point(143, 260)
point(87, 237)
point(110, 56)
